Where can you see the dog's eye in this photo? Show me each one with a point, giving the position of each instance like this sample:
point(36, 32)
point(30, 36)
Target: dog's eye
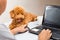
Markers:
point(12, 11)
point(22, 13)
point(17, 13)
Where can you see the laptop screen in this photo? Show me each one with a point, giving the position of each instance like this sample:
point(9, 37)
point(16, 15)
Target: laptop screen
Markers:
point(52, 16)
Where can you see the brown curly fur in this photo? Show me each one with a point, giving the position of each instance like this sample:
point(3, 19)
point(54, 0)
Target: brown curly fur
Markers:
point(19, 12)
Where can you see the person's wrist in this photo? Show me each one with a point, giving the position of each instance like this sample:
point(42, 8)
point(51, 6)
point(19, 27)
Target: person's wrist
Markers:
point(14, 31)
point(42, 39)
point(39, 38)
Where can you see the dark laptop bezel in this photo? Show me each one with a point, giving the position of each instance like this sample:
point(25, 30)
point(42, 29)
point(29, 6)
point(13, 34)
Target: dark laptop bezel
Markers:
point(54, 25)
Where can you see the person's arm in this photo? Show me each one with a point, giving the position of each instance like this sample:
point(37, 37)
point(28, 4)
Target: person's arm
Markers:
point(45, 35)
point(19, 29)
point(5, 33)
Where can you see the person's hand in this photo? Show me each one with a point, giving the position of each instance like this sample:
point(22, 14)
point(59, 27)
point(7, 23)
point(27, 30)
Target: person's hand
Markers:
point(45, 35)
point(22, 28)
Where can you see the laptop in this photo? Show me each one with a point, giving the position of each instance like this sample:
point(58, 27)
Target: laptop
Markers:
point(51, 20)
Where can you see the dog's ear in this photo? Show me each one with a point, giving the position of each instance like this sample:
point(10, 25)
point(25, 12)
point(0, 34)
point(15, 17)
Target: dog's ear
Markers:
point(12, 14)
point(19, 9)
point(33, 16)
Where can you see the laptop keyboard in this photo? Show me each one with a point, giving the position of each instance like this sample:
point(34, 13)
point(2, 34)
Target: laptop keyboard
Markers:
point(56, 36)
point(55, 32)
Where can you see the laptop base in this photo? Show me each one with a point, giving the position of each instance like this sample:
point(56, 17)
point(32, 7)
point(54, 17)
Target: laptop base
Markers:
point(37, 30)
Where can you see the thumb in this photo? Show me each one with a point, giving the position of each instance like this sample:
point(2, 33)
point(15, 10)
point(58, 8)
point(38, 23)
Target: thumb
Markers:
point(25, 29)
point(24, 26)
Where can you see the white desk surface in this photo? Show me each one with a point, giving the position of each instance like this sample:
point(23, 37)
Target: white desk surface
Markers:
point(26, 36)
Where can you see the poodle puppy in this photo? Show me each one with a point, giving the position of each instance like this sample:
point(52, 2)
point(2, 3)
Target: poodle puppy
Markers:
point(20, 17)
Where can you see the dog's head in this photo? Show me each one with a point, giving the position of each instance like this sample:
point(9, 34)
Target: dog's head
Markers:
point(17, 14)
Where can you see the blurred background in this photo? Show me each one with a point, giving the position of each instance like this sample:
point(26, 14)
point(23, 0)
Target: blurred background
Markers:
point(34, 6)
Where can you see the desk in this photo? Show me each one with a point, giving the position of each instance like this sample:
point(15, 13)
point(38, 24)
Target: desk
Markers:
point(27, 35)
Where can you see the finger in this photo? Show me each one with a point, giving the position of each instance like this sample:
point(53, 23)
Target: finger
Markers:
point(43, 31)
point(25, 29)
point(48, 30)
point(50, 34)
point(24, 26)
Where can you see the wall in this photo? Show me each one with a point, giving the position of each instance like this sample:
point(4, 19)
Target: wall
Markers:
point(30, 5)
point(5, 17)
point(49, 2)
point(35, 6)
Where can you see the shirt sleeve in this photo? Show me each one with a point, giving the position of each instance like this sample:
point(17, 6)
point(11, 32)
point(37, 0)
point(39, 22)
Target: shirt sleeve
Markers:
point(5, 33)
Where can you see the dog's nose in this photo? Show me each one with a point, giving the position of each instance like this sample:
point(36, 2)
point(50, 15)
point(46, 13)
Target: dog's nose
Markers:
point(21, 18)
